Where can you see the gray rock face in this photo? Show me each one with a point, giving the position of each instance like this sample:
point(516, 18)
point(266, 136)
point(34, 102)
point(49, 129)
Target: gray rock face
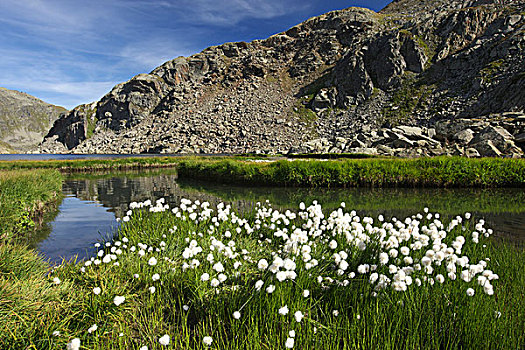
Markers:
point(418, 78)
point(24, 120)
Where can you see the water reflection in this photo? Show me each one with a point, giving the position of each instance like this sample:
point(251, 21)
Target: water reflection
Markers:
point(92, 202)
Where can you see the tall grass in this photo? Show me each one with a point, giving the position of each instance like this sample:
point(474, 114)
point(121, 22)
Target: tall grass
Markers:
point(421, 172)
point(24, 196)
point(188, 309)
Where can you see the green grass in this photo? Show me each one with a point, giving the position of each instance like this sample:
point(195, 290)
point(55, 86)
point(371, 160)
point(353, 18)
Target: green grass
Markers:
point(375, 172)
point(80, 165)
point(24, 196)
point(32, 307)
point(421, 172)
point(438, 317)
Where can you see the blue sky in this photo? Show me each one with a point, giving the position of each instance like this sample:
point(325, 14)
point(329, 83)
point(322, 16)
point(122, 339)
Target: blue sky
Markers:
point(69, 52)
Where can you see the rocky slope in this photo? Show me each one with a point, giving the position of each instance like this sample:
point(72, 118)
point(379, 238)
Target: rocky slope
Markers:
point(24, 120)
point(419, 77)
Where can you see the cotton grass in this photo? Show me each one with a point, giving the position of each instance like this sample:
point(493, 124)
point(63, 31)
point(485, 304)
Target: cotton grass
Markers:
point(303, 271)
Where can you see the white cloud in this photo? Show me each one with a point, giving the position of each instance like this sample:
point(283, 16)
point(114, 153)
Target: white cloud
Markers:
point(72, 52)
point(230, 12)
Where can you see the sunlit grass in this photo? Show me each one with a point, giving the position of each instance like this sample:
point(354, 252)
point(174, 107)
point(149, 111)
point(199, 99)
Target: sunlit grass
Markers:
point(25, 194)
point(232, 278)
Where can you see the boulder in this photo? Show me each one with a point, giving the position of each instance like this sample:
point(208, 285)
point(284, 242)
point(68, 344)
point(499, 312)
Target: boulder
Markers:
point(498, 137)
point(464, 136)
point(486, 148)
point(472, 153)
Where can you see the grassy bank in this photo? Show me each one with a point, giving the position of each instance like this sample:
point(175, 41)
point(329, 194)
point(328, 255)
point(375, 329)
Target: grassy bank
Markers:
point(24, 196)
point(80, 165)
point(197, 273)
point(163, 271)
point(421, 172)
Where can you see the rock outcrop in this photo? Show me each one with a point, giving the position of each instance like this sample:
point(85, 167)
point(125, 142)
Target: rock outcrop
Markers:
point(24, 120)
point(419, 77)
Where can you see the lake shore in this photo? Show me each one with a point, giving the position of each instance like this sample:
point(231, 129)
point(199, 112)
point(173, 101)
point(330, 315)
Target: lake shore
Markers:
point(374, 172)
point(46, 308)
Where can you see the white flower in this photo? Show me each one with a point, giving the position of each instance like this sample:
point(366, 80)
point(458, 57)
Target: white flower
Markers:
point(222, 277)
point(152, 261)
point(97, 290)
point(236, 315)
point(152, 289)
point(185, 307)
point(289, 343)
point(259, 284)
point(470, 292)
point(214, 282)
point(298, 316)
point(306, 293)
point(281, 276)
point(92, 328)
point(205, 277)
point(155, 277)
point(164, 340)
point(118, 300)
point(144, 348)
point(73, 344)
point(263, 264)
point(218, 267)
point(56, 280)
point(270, 289)
point(57, 333)
point(284, 310)
point(383, 258)
point(291, 334)
point(335, 313)
point(207, 340)
point(136, 275)
point(333, 244)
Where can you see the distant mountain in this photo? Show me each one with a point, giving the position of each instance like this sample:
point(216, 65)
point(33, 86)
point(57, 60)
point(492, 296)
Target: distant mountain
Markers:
point(421, 77)
point(24, 120)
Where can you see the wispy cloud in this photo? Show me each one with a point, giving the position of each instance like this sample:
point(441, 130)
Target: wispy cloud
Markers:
point(77, 50)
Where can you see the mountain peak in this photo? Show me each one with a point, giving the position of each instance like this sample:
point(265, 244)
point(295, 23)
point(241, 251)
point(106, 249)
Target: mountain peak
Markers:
point(333, 77)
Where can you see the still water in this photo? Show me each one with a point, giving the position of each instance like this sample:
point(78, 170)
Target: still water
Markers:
point(92, 203)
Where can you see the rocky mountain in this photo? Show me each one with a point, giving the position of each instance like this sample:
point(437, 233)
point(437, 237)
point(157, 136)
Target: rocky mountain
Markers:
point(421, 77)
point(24, 120)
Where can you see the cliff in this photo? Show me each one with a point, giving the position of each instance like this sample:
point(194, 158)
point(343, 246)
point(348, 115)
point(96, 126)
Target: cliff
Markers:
point(420, 77)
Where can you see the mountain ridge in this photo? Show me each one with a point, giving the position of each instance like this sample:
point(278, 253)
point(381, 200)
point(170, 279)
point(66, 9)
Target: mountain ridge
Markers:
point(24, 120)
point(339, 82)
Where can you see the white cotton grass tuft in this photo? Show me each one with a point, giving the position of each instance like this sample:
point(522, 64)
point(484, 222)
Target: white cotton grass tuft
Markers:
point(117, 300)
point(395, 255)
point(207, 340)
point(284, 310)
point(74, 344)
point(164, 340)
